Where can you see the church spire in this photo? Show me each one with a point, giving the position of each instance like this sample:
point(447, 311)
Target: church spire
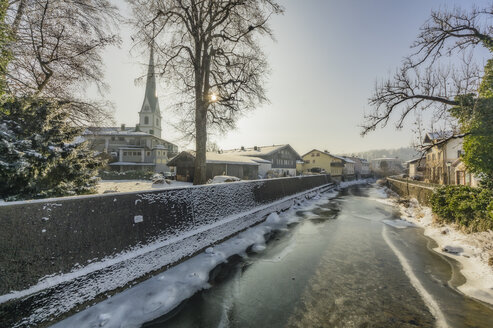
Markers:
point(150, 115)
point(150, 97)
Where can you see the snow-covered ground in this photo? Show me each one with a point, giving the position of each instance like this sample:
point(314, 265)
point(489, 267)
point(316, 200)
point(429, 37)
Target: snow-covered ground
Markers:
point(136, 185)
point(472, 250)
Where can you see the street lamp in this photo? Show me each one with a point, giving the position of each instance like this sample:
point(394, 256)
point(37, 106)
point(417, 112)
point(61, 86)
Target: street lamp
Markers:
point(448, 167)
point(213, 97)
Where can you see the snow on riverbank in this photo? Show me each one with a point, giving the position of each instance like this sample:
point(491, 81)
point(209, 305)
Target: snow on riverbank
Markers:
point(472, 251)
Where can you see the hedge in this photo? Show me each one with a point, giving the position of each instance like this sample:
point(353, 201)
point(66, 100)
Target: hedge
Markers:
point(469, 207)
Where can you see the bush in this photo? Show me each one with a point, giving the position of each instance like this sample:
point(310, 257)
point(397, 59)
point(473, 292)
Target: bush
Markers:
point(126, 175)
point(469, 207)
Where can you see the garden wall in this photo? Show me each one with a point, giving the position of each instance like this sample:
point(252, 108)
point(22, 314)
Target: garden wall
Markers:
point(404, 188)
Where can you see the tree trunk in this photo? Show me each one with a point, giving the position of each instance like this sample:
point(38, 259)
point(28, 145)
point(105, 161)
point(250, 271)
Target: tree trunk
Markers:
point(200, 176)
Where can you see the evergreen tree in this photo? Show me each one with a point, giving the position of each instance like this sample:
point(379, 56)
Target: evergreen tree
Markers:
point(475, 115)
point(41, 154)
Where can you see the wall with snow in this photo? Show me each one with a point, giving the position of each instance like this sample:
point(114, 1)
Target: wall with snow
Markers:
point(411, 190)
point(78, 243)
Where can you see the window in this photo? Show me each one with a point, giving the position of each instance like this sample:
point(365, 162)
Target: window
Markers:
point(157, 121)
point(124, 153)
point(121, 138)
point(146, 120)
point(113, 138)
point(313, 161)
point(151, 131)
point(313, 155)
point(318, 154)
point(148, 153)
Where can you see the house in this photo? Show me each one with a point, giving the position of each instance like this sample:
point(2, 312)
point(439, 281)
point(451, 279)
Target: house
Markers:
point(318, 161)
point(416, 168)
point(442, 149)
point(461, 176)
point(243, 167)
point(349, 165)
point(361, 167)
point(131, 149)
point(140, 147)
point(282, 158)
point(386, 165)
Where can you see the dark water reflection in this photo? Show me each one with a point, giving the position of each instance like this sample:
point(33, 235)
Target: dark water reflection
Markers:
point(334, 269)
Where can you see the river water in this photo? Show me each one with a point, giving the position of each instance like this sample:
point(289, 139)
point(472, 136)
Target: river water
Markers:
point(341, 266)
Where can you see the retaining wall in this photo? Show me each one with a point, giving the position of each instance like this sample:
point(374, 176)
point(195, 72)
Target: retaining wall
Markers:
point(413, 190)
point(131, 234)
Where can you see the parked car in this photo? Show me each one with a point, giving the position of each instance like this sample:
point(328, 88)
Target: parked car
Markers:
point(223, 179)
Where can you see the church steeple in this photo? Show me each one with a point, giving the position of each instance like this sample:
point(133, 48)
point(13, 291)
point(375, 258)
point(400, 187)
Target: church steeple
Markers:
point(150, 115)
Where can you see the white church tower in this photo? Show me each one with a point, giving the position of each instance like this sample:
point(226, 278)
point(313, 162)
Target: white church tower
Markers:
point(150, 115)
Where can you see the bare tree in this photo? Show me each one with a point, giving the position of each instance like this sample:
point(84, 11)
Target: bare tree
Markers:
point(209, 51)
point(56, 52)
point(424, 81)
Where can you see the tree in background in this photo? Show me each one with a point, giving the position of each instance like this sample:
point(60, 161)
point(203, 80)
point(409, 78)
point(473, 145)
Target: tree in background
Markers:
point(5, 38)
point(40, 154)
point(56, 52)
point(209, 51)
point(462, 91)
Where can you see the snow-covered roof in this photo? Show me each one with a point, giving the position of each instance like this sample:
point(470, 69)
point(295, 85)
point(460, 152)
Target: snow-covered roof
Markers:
point(415, 160)
point(257, 151)
point(212, 157)
point(132, 163)
point(114, 131)
point(431, 137)
point(221, 158)
point(386, 159)
point(348, 160)
point(326, 153)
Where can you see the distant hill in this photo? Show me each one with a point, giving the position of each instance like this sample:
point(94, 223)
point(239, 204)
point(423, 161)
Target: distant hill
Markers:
point(404, 153)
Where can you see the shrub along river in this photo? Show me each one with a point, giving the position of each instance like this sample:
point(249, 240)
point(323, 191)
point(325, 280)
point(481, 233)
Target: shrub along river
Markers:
point(349, 263)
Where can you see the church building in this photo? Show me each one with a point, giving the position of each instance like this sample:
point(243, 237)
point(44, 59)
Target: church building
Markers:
point(140, 147)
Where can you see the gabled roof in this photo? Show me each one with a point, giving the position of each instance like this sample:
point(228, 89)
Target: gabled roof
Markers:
point(326, 153)
point(260, 151)
point(432, 137)
point(216, 158)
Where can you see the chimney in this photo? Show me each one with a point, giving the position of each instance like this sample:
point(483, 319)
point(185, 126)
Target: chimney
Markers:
point(123, 127)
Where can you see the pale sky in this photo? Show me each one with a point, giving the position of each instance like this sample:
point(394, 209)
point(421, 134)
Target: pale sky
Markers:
point(326, 59)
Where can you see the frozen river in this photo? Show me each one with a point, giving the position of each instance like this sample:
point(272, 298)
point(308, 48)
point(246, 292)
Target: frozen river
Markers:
point(341, 266)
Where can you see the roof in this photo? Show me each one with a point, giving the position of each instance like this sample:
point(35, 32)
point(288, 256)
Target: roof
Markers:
point(216, 158)
point(114, 131)
point(260, 150)
point(386, 159)
point(132, 163)
point(117, 131)
point(329, 154)
point(431, 137)
point(415, 160)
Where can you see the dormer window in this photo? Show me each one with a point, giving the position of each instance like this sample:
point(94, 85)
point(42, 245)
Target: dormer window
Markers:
point(146, 120)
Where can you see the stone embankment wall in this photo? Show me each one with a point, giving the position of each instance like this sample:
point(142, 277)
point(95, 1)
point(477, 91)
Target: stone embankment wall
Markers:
point(422, 192)
point(67, 248)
